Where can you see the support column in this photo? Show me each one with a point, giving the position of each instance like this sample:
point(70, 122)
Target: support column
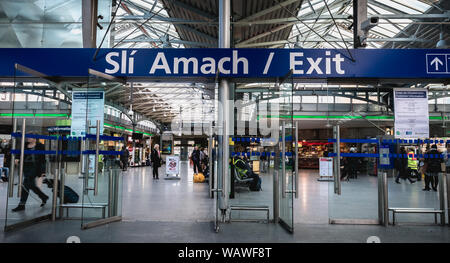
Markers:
point(359, 15)
point(89, 23)
point(225, 119)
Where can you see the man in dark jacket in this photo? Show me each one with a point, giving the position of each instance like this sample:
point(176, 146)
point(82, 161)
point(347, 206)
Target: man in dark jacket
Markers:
point(433, 163)
point(401, 165)
point(33, 167)
point(155, 157)
point(195, 156)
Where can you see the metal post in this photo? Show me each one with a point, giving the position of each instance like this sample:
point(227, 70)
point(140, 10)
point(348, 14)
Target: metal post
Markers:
point(210, 145)
point(338, 145)
point(448, 198)
point(276, 185)
point(13, 162)
point(117, 184)
point(380, 197)
point(22, 151)
point(442, 196)
point(385, 200)
point(296, 176)
point(89, 23)
point(283, 162)
point(80, 164)
point(224, 96)
point(86, 160)
point(110, 192)
point(359, 15)
point(55, 185)
point(61, 190)
point(337, 162)
point(335, 166)
point(97, 150)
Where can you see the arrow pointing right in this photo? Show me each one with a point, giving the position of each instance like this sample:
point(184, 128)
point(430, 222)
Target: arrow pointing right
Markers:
point(436, 61)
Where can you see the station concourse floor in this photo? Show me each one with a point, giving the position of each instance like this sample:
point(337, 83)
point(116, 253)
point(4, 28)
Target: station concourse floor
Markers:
point(181, 211)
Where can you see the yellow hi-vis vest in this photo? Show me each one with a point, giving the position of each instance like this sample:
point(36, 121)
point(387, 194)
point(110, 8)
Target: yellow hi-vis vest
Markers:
point(241, 172)
point(412, 161)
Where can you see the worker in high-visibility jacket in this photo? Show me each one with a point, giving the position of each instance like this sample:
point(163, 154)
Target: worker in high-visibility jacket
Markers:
point(412, 166)
point(244, 170)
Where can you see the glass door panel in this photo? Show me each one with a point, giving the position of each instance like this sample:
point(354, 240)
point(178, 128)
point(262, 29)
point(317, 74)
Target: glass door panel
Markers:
point(263, 160)
point(353, 185)
point(101, 198)
point(286, 155)
point(34, 148)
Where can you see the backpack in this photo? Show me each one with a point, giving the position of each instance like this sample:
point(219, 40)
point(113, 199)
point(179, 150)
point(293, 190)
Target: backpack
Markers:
point(70, 196)
point(255, 187)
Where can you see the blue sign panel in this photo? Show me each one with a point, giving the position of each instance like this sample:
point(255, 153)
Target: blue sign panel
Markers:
point(243, 63)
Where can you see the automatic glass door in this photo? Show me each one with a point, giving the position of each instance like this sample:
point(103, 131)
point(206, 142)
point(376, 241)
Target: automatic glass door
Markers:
point(34, 160)
point(102, 184)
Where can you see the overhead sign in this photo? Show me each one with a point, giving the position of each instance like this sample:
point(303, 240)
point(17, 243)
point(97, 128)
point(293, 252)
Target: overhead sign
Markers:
point(242, 63)
point(86, 105)
point(411, 113)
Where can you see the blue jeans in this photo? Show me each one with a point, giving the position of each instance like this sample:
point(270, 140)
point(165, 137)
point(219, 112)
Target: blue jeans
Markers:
point(6, 169)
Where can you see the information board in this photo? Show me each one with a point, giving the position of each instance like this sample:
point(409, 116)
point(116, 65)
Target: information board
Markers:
point(172, 164)
point(325, 167)
point(411, 113)
point(86, 105)
point(384, 157)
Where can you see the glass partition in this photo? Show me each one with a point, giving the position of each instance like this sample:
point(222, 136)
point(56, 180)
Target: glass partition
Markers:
point(101, 199)
point(35, 151)
point(350, 164)
point(262, 156)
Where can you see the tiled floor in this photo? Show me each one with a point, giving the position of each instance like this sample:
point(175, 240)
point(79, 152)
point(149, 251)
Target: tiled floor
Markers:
point(181, 211)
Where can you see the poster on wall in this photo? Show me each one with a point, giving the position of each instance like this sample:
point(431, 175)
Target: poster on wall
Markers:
point(325, 167)
point(172, 165)
point(86, 105)
point(2, 160)
point(411, 113)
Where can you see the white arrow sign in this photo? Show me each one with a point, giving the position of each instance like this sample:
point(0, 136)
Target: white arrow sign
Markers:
point(436, 61)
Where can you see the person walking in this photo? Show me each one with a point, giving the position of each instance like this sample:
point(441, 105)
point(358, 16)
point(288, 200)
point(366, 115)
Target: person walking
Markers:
point(433, 162)
point(124, 158)
point(401, 165)
point(33, 167)
point(195, 156)
point(155, 157)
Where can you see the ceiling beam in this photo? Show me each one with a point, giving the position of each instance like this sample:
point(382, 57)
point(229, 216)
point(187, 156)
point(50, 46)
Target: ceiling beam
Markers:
point(190, 8)
point(335, 40)
point(269, 10)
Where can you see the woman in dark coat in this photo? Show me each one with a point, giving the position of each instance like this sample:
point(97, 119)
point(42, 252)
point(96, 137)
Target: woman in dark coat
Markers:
point(156, 161)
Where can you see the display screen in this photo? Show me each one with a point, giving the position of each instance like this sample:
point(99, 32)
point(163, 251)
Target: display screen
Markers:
point(137, 136)
point(167, 147)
